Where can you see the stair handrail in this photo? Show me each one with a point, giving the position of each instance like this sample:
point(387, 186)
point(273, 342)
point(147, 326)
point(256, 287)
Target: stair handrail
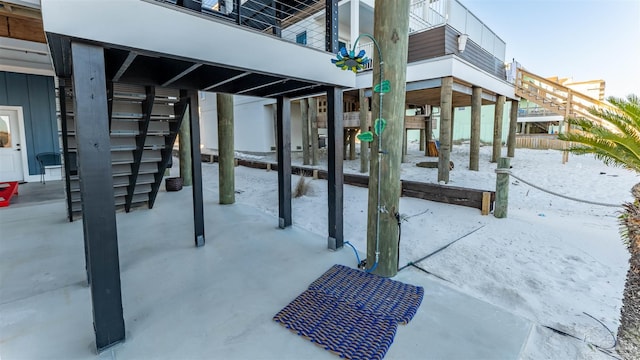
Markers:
point(571, 100)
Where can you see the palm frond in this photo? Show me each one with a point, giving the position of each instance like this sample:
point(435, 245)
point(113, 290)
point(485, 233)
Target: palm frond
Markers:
point(615, 141)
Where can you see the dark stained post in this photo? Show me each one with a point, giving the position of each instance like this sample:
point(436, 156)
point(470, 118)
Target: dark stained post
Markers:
point(277, 17)
point(331, 29)
point(184, 143)
point(476, 116)
point(513, 125)
point(364, 126)
point(345, 145)
point(283, 116)
point(196, 167)
point(226, 164)
point(391, 27)
point(421, 146)
point(304, 118)
point(96, 189)
point(313, 116)
point(497, 129)
point(237, 6)
point(335, 178)
point(404, 144)
point(65, 146)
point(446, 98)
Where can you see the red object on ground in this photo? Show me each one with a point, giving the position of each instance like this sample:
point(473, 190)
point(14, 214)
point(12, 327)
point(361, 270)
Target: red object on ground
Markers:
point(7, 190)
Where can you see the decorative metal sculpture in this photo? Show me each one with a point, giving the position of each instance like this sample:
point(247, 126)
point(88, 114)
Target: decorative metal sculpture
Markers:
point(348, 60)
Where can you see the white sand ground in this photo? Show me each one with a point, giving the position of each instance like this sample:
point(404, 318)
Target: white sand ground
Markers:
point(556, 262)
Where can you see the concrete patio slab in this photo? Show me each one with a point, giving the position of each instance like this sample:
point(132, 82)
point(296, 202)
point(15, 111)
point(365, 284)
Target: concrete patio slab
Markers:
point(215, 302)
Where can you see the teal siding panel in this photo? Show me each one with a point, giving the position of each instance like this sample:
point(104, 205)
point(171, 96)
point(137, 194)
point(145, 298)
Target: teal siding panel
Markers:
point(36, 95)
point(3, 88)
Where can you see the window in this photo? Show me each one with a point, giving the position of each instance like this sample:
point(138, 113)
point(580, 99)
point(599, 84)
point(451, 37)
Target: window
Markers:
point(301, 38)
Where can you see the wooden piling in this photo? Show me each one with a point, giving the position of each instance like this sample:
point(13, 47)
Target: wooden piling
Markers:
point(364, 126)
point(391, 26)
point(513, 125)
point(497, 129)
point(304, 118)
point(446, 98)
point(476, 116)
point(502, 189)
point(313, 117)
point(226, 162)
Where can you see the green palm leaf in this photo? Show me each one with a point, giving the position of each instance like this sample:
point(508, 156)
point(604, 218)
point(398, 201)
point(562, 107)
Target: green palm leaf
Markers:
point(616, 141)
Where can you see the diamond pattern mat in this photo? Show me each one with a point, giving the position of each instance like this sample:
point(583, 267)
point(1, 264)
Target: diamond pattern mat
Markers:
point(352, 313)
point(371, 292)
point(347, 332)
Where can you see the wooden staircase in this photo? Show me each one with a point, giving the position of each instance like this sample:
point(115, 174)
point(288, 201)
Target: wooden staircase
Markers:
point(144, 123)
point(556, 97)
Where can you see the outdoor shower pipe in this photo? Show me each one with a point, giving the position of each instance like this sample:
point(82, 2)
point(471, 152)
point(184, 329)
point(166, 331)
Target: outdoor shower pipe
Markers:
point(381, 93)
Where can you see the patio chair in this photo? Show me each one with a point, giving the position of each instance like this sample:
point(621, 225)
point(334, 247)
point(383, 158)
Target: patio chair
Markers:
point(47, 159)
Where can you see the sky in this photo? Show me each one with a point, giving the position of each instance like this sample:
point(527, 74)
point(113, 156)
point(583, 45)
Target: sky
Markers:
point(578, 39)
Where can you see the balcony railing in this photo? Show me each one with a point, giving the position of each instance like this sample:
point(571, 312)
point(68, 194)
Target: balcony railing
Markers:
point(427, 14)
point(298, 21)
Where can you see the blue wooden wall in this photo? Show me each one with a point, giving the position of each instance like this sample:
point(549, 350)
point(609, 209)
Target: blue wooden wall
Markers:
point(36, 95)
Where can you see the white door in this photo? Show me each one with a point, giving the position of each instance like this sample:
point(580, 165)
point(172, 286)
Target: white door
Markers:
point(11, 164)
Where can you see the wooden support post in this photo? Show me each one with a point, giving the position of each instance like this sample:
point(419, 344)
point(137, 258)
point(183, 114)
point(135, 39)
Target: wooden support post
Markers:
point(403, 159)
point(313, 117)
point(422, 139)
point(497, 129)
point(184, 143)
point(96, 189)
point(364, 126)
point(444, 155)
point(335, 176)
point(486, 203)
point(284, 161)
point(275, 126)
point(304, 118)
point(196, 167)
point(428, 132)
point(391, 24)
point(476, 116)
point(513, 125)
point(226, 161)
point(352, 143)
point(502, 189)
point(565, 127)
point(268, 166)
point(315, 174)
point(453, 118)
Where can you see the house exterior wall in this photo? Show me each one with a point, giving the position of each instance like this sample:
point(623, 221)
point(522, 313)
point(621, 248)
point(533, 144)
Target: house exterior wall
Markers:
point(253, 124)
point(462, 123)
point(36, 95)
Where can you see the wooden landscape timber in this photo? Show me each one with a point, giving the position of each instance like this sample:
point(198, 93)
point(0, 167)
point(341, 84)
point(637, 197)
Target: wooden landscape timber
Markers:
point(433, 192)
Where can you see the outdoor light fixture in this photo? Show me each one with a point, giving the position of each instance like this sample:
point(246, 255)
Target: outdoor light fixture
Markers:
point(462, 41)
point(348, 60)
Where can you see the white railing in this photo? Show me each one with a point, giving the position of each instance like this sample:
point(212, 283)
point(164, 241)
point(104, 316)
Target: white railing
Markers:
point(296, 21)
point(425, 14)
point(368, 48)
